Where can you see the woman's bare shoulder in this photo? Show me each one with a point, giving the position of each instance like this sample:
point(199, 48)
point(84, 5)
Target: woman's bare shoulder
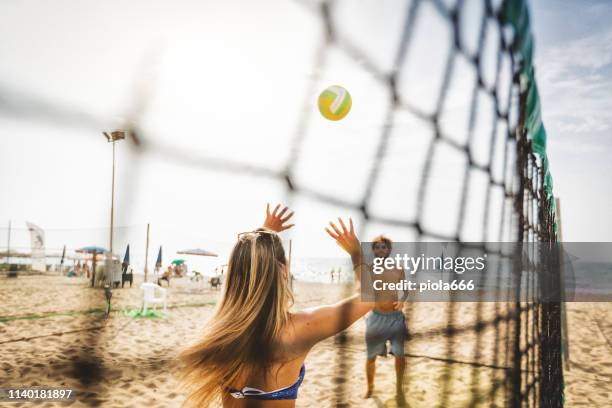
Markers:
point(294, 336)
point(298, 320)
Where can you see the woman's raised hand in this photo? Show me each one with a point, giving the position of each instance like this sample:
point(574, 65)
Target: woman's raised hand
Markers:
point(345, 237)
point(276, 220)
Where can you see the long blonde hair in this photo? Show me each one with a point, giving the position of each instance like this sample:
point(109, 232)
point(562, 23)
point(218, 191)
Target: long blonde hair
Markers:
point(240, 338)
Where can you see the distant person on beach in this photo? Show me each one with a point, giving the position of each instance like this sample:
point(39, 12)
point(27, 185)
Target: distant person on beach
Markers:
point(181, 270)
point(386, 323)
point(166, 276)
point(254, 348)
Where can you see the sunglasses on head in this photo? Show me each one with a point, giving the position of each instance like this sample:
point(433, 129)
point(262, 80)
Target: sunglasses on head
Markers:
point(255, 233)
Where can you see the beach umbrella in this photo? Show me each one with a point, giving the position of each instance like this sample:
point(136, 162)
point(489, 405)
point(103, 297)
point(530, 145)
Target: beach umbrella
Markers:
point(197, 251)
point(178, 262)
point(158, 263)
point(63, 257)
point(95, 250)
point(126, 257)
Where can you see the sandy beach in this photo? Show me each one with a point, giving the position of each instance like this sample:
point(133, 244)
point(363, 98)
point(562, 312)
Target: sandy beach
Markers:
point(53, 334)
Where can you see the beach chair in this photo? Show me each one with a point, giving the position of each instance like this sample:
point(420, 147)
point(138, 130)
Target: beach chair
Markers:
point(100, 278)
point(115, 276)
point(216, 282)
point(196, 276)
point(149, 297)
point(12, 272)
point(165, 276)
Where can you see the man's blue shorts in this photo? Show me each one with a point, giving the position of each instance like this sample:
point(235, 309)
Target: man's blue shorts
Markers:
point(382, 327)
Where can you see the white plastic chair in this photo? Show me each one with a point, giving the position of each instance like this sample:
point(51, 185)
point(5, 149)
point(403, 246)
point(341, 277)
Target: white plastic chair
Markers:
point(149, 297)
point(115, 277)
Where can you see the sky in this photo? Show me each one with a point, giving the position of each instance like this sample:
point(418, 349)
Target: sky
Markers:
point(574, 73)
point(227, 80)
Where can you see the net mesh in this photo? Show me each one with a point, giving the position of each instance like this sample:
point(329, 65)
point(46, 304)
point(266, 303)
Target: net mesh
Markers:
point(459, 132)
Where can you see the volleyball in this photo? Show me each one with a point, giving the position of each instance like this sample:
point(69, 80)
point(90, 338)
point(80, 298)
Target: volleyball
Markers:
point(335, 102)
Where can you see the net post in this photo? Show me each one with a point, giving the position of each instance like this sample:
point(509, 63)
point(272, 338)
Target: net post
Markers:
point(564, 327)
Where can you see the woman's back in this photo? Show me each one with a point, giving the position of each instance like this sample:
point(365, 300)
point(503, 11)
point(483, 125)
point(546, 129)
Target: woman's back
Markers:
point(285, 373)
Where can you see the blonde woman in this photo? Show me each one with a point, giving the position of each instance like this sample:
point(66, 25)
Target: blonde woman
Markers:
point(253, 350)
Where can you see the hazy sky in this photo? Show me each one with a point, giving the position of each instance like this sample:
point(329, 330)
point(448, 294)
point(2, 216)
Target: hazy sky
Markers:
point(227, 79)
point(574, 72)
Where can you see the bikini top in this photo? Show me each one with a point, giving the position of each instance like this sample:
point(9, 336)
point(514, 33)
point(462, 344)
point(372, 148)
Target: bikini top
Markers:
point(286, 393)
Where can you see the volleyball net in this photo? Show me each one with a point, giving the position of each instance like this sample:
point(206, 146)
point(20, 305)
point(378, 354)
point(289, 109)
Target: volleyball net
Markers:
point(485, 149)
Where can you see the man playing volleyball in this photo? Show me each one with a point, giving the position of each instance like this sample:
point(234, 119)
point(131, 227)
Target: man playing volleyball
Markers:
point(386, 323)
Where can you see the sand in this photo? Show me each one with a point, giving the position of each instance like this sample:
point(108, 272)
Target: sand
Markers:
point(53, 334)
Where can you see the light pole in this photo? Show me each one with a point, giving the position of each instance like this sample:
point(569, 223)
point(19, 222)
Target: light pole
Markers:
point(8, 248)
point(114, 136)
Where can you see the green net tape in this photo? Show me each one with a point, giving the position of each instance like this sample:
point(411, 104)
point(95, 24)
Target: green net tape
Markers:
point(545, 164)
point(538, 143)
point(552, 207)
point(548, 182)
point(513, 12)
point(533, 99)
point(534, 119)
point(516, 14)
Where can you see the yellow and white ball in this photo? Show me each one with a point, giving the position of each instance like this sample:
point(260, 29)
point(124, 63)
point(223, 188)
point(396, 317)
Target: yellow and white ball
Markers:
point(335, 102)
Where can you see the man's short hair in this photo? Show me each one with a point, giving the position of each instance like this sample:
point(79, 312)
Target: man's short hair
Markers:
point(381, 239)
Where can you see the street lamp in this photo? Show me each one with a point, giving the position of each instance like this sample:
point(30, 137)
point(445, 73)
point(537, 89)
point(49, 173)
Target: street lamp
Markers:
point(114, 136)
